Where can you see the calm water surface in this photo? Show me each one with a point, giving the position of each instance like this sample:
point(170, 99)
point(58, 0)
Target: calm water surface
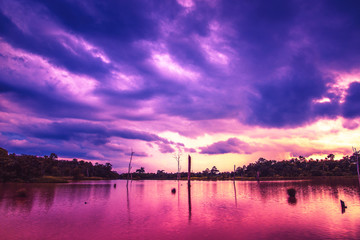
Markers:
point(211, 210)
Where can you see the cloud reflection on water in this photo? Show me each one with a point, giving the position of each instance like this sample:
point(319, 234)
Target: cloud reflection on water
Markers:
point(205, 210)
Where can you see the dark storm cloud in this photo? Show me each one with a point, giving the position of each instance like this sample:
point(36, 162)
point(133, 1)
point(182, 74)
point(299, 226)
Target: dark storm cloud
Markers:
point(269, 31)
point(44, 102)
point(51, 47)
point(289, 100)
point(96, 133)
point(115, 25)
point(264, 63)
point(77, 139)
point(332, 28)
point(123, 20)
point(351, 107)
point(269, 35)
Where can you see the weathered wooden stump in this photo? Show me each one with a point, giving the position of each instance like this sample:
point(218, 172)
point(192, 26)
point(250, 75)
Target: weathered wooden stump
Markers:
point(291, 192)
point(343, 204)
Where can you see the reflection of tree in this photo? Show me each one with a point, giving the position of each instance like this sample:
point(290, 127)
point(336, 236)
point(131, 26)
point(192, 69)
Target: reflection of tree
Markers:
point(76, 192)
point(17, 204)
point(102, 190)
point(178, 193)
point(235, 193)
point(189, 200)
point(292, 200)
point(11, 202)
point(333, 187)
point(47, 195)
point(128, 202)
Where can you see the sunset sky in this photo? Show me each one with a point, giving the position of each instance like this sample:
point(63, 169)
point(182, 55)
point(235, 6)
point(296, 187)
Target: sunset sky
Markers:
point(225, 81)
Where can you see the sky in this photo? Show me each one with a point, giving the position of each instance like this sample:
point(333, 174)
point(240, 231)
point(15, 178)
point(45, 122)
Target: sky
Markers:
point(227, 82)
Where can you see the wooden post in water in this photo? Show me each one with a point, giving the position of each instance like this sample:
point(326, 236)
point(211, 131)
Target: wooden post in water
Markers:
point(189, 169)
point(356, 155)
point(357, 166)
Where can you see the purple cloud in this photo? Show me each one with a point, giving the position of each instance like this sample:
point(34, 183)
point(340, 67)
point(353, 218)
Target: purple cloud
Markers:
point(352, 101)
point(350, 124)
point(106, 76)
point(232, 145)
point(190, 150)
point(165, 148)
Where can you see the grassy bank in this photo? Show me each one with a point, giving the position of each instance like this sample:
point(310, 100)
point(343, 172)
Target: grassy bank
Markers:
point(51, 179)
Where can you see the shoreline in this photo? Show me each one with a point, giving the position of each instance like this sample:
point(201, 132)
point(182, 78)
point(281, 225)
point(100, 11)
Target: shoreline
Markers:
point(53, 179)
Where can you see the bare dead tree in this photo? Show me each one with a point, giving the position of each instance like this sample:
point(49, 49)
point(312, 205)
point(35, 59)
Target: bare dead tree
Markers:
point(177, 157)
point(131, 155)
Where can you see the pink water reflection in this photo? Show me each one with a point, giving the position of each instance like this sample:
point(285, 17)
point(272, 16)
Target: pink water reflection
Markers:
point(148, 210)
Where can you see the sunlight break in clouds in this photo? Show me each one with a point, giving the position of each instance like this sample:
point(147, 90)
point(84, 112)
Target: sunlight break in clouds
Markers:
point(341, 84)
point(169, 66)
point(45, 74)
point(186, 3)
point(225, 81)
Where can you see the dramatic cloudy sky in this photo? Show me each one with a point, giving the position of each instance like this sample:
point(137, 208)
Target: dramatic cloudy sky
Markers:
point(225, 81)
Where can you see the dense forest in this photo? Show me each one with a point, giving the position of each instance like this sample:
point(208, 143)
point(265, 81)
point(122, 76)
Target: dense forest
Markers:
point(267, 169)
point(30, 168)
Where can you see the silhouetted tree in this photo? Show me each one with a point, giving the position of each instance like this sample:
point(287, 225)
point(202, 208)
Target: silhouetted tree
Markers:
point(140, 170)
point(53, 156)
point(214, 171)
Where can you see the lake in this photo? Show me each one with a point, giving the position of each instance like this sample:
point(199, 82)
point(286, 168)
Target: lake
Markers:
point(211, 210)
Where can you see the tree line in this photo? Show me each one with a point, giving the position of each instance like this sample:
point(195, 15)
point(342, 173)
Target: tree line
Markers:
point(267, 169)
point(28, 168)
